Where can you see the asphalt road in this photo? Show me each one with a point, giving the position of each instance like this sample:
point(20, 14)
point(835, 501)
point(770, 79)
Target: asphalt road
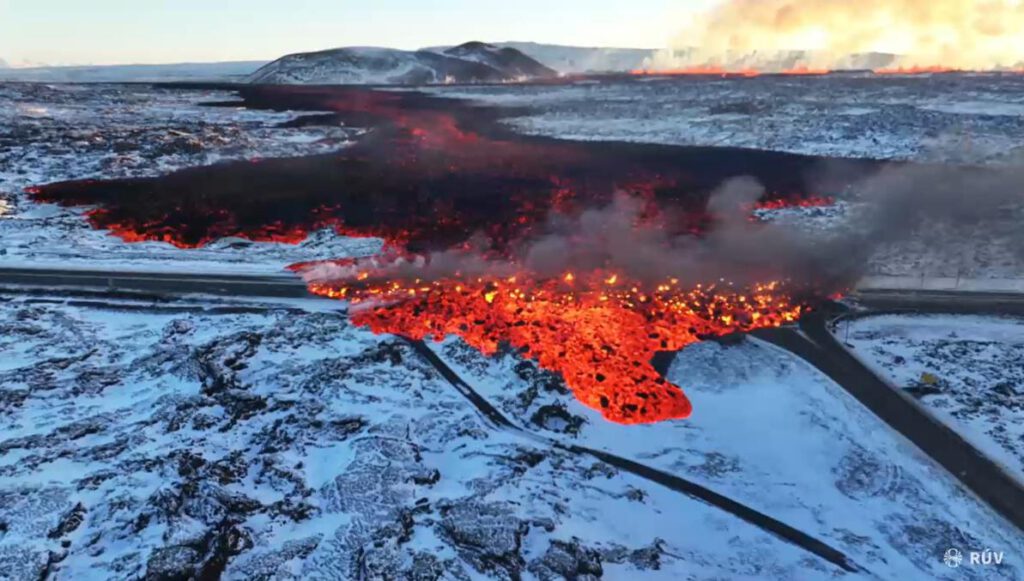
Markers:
point(942, 301)
point(815, 344)
point(496, 419)
point(284, 285)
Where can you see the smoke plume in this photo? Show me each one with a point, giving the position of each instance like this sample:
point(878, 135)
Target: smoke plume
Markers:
point(892, 205)
point(843, 34)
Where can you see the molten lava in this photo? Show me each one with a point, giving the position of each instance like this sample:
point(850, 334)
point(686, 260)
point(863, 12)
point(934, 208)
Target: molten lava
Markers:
point(596, 329)
point(429, 173)
point(433, 175)
point(801, 202)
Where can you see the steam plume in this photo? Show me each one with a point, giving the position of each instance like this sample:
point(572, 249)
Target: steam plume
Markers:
point(841, 34)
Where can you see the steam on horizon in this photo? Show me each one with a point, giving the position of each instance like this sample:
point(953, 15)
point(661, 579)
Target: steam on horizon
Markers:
point(838, 34)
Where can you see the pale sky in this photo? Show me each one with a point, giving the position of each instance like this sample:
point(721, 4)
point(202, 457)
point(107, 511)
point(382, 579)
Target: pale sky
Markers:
point(167, 31)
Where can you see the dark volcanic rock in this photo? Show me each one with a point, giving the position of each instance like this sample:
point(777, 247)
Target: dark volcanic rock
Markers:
point(507, 60)
point(568, 560)
point(488, 536)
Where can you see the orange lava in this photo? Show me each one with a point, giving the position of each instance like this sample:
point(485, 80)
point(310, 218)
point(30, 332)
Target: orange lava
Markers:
point(599, 331)
point(431, 178)
point(222, 226)
point(808, 202)
point(722, 71)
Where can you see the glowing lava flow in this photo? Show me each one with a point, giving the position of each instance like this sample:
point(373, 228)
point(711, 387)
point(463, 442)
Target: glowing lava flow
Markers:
point(437, 176)
point(709, 70)
point(217, 226)
point(598, 331)
point(806, 202)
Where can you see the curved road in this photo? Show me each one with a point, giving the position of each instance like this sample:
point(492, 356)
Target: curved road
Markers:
point(285, 285)
point(813, 342)
point(496, 419)
point(32, 280)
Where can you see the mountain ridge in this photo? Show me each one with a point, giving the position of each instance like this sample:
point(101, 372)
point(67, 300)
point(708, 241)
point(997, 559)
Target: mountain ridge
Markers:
point(471, 62)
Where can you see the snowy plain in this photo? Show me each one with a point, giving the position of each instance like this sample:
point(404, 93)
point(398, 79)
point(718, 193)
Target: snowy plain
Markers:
point(967, 370)
point(942, 118)
point(52, 133)
point(281, 442)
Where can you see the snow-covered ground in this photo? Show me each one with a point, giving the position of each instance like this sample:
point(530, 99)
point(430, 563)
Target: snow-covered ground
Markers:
point(968, 370)
point(284, 443)
point(993, 249)
point(51, 133)
point(186, 72)
point(770, 431)
point(948, 118)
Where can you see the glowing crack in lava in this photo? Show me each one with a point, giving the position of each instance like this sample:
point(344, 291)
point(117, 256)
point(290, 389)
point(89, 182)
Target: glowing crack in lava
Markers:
point(806, 202)
point(597, 329)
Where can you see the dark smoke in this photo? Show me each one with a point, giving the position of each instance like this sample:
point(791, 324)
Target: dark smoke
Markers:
point(894, 204)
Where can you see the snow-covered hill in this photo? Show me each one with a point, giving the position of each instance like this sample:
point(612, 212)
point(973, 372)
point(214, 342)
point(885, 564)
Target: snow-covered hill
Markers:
point(473, 62)
point(579, 59)
point(505, 59)
point(584, 59)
